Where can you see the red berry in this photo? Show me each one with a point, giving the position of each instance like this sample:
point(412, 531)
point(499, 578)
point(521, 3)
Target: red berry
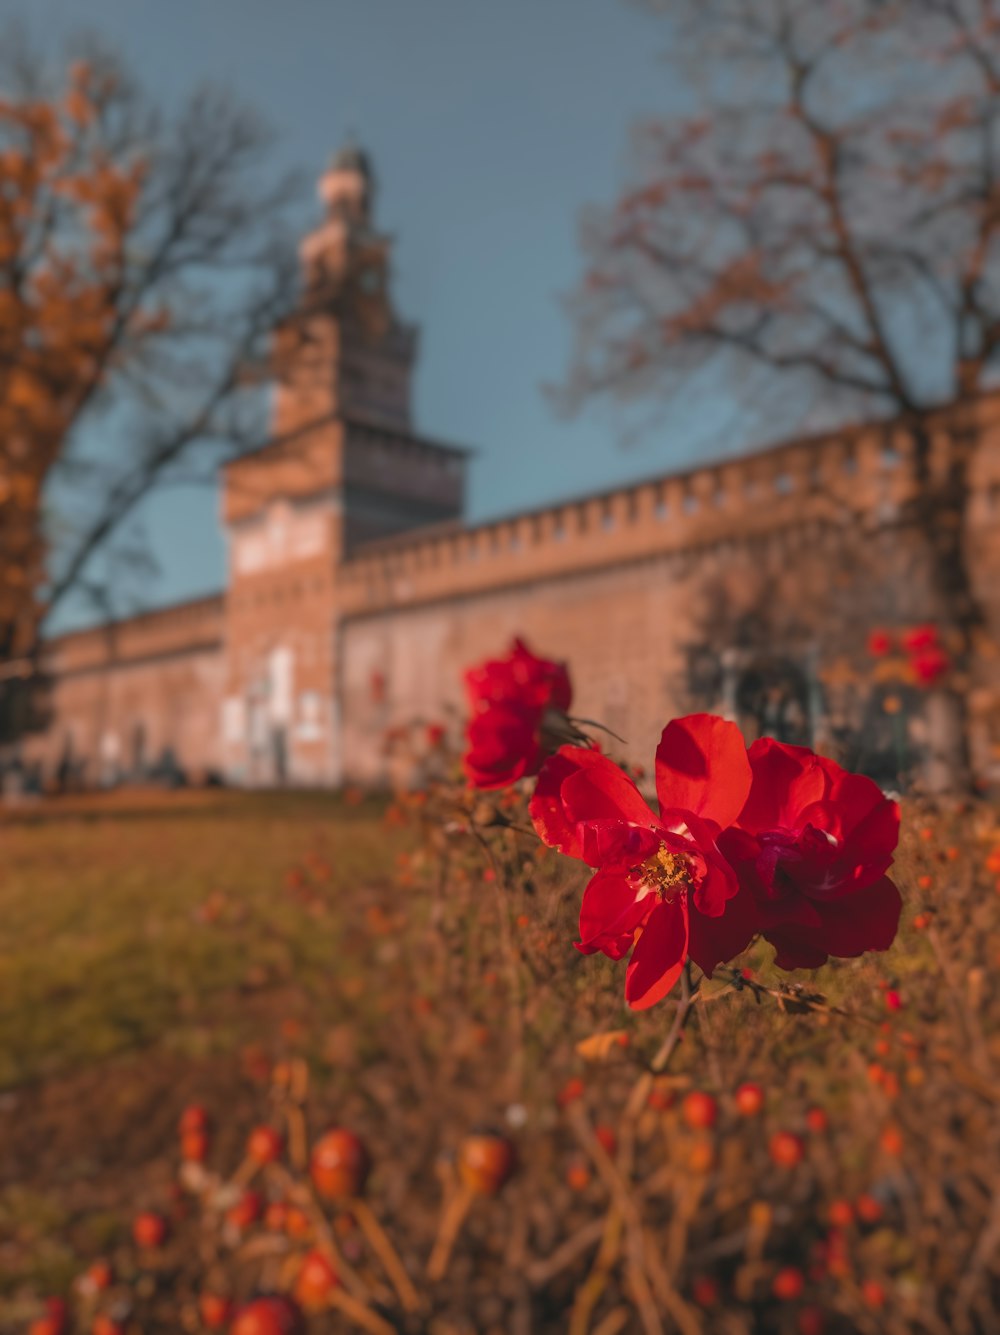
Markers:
point(265, 1144)
point(106, 1325)
point(788, 1284)
point(149, 1229)
point(749, 1099)
point(485, 1162)
point(572, 1090)
point(267, 1316)
point(247, 1210)
point(893, 1000)
point(868, 1209)
point(215, 1310)
point(339, 1164)
point(810, 1321)
point(99, 1276)
point(891, 1140)
point(705, 1291)
point(873, 1293)
point(607, 1139)
point(194, 1146)
point(578, 1175)
point(193, 1118)
point(316, 1280)
point(54, 1322)
point(841, 1214)
point(786, 1149)
point(699, 1110)
point(817, 1121)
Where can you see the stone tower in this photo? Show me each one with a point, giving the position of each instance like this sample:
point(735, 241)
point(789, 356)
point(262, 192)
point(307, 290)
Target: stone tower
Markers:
point(344, 468)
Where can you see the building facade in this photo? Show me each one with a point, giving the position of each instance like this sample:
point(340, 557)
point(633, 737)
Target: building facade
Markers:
point(356, 594)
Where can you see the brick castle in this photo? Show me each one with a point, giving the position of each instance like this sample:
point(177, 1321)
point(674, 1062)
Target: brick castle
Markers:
point(356, 594)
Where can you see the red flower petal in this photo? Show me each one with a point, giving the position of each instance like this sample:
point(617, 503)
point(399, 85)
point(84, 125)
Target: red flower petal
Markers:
point(714, 941)
point(719, 884)
point(610, 911)
point(548, 812)
point(702, 767)
point(659, 955)
point(602, 792)
point(502, 747)
point(851, 925)
point(785, 780)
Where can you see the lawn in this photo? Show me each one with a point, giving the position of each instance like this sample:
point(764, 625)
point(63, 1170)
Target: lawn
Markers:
point(138, 921)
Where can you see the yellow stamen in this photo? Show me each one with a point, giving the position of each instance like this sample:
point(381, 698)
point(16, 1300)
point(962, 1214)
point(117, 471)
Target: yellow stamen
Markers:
point(665, 872)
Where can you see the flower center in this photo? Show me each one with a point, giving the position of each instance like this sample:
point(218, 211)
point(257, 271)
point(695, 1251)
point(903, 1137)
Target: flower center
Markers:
point(667, 873)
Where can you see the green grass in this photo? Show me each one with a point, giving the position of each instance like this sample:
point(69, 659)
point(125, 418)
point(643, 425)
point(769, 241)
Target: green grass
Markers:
point(103, 948)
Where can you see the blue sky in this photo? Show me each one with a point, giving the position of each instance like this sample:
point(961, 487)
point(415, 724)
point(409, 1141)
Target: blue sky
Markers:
point(491, 125)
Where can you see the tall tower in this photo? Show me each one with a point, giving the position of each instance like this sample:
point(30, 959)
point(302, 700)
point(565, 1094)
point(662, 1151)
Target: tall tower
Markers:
point(344, 468)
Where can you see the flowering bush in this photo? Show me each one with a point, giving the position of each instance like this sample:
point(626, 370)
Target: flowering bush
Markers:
point(779, 841)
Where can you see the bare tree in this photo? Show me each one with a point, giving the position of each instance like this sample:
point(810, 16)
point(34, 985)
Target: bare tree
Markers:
point(828, 217)
point(143, 268)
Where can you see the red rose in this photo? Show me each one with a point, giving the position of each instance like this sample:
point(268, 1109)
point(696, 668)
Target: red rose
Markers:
point(518, 710)
point(930, 665)
point(662, 889)
point(813, 845)
point(919, 637)
point(879, 643)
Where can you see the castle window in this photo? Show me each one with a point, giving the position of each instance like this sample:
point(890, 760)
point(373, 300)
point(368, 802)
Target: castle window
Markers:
point(783, 484)
point(690, 503)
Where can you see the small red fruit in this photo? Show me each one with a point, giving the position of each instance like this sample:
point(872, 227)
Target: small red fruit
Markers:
point(749, 1099)
point(699, 1110)
point(841, 1214)
point(194, 1146)
point(215, 1310)
point(485, 1162)
point(571, 1091)
point(106, 1325)
point(578, 1175)
point(810, 1321)
point(54, 1322)
point(339, 1164)
point(315, 1281)
point(149, 1229)
point(891, 1140)
point(869, 1210)
point(785, 1149)
point(297, 1223)
point(817, 1121)
point(788, 1284)
point(193, 1118)
point(276, 1216)
point(893, 1000)
point(247, 1210)
point(607, 1139)
point(99, 1276)
point(265, 1145)
point(873, 1293)
point(705, 1291)
point(267, 1316)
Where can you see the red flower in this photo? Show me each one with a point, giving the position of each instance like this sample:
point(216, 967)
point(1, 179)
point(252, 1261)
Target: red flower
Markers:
point(930, 665)
point(662, 889)
point(518, 710)
point(879, 643)
point(813, 845)
point(920, 637)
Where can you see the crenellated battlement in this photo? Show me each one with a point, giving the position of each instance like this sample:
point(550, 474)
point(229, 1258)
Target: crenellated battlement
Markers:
point(858, 475)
